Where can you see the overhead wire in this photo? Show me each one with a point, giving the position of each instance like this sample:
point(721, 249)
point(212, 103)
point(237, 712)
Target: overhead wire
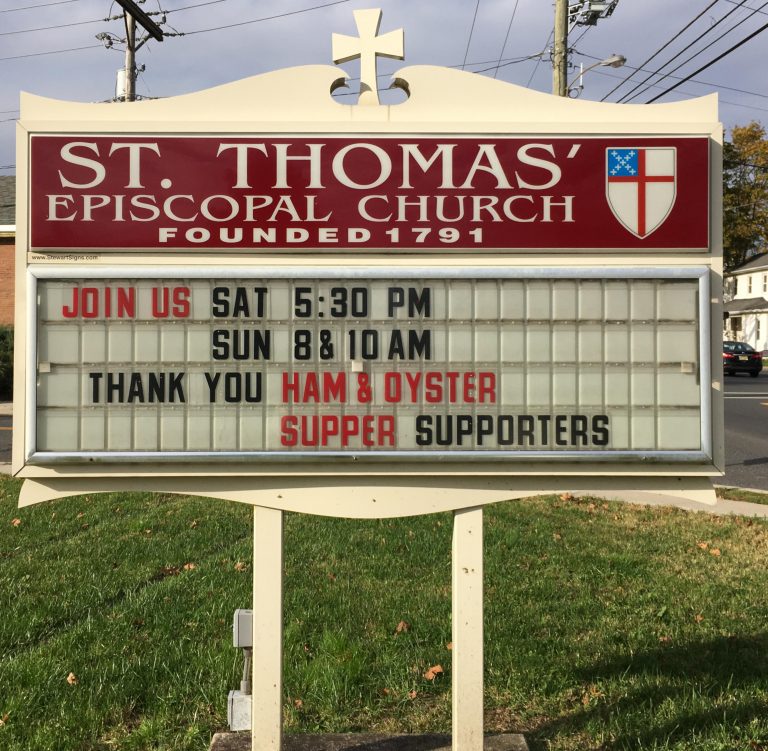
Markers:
point(749, 7)
point(687, 47)
point(506, 38)
point(538, 62)
point(711, 62)
point(190, 33)
point(56, 26)
point(40, 5)
point(471, 32)
point(52, 52)
point(109, 18)
point(662, 48)
point(701, 51)
point(263, 18)
point(699, 81)
point(690, 94)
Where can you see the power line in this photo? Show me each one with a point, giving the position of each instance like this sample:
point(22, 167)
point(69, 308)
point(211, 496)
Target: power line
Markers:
point(471, 31)
point(57, 26)
point(42, 5)
point(506, 38)
point(506, 63)
point(661, 49)
point(52, 52)
point(106, 20)
point(263, 18)
point(196, 5)
point(702, 50)
point(748, 7)
point(679, 78)
point(536, 67)
point(624, 97)
point(712, 62)
point(691, 94)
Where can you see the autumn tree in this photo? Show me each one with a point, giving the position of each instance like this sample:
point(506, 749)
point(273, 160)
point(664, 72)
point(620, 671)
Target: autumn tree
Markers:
point(745, 194)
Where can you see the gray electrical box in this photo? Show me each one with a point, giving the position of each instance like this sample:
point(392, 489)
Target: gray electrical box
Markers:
point(242, 629)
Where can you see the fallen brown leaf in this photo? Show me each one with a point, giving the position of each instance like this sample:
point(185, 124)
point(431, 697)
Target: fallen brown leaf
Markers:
point(449, 646)
point(4, 719)
point(665, 639)
point(298, 703)
point(698, 617)
point(72, 679)
point(702, 545)
point(557, 536)
point(402, 627)
point(715, 552)
point(193, 524)
point(433, 672)
point(412, 694)
point(190, 566)
point(240, 566)
point(567, 497)
point(16, 522)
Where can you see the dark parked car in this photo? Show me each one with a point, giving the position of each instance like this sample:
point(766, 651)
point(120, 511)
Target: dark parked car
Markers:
point(741, 358)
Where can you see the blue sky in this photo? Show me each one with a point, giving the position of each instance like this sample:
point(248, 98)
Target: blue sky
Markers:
point(465, 33)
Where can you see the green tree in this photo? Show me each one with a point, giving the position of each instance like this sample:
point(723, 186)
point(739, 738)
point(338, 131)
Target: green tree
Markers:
point(745, 194)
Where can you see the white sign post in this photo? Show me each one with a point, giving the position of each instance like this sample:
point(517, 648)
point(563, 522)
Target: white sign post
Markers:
point(480, 294)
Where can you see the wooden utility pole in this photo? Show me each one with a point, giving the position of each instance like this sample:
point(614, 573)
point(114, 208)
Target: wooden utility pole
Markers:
point(132, 14)
point(560, 51)
point(129, 90)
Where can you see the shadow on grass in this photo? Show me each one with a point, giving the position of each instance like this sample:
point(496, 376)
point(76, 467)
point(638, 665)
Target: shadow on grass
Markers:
point(708, 688)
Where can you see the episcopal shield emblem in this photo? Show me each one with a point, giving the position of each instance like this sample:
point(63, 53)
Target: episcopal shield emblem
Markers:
point(641, 186)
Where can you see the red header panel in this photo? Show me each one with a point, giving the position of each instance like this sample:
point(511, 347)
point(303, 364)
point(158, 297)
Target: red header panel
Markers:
point(325, 193)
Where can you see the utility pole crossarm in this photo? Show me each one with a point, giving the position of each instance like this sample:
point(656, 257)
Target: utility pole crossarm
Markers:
point(141, 18)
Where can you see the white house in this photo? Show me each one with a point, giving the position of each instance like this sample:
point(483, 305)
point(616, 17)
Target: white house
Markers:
point(746, 303)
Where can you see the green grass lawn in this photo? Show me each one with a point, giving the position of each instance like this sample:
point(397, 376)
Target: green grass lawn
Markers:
point(608, 626)
point(738, 494)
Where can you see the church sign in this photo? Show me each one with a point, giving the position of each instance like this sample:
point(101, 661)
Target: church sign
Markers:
point(479, 281)
point(401, 193)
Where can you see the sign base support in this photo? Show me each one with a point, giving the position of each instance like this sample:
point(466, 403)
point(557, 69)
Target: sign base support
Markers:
point(467, 630)
point(267, 680)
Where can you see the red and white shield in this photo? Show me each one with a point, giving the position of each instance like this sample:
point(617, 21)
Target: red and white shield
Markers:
point(641, 186)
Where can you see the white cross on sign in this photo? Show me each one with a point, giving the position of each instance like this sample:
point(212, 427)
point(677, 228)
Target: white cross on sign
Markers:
point(368, 46)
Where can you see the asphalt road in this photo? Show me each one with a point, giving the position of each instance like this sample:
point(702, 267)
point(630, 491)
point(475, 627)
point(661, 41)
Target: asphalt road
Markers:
point(746, 431)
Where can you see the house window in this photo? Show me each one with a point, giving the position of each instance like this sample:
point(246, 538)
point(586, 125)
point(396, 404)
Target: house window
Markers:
point(765, 282)
point(736, 323)
point(757, 330)
point(736, 286)
point(749, 284)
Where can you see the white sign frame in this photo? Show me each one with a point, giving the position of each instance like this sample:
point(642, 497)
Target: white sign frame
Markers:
point(513, 456)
